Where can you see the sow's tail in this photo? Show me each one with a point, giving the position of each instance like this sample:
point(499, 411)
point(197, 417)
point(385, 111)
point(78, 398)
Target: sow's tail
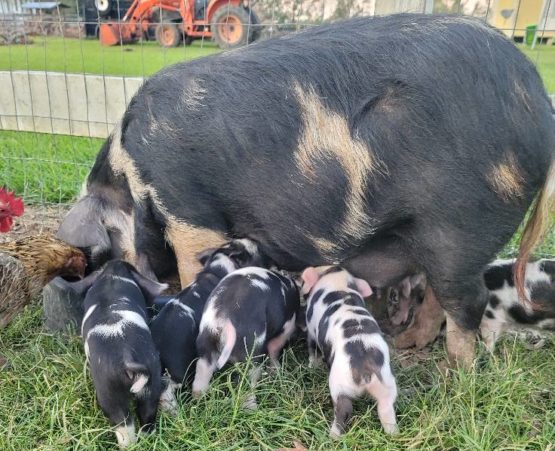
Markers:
point(535, 230)
point(229, 337)
point(139, 374)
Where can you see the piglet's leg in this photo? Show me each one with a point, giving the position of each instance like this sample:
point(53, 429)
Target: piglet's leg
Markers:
point(342, 409)
point(254, 376)
point(275, 345)
point(314, 360)
point(168, 402)
point(204, 371)
point(385, 394)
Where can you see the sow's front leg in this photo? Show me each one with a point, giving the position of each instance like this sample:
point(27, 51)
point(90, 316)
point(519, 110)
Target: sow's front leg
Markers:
point(187, 242)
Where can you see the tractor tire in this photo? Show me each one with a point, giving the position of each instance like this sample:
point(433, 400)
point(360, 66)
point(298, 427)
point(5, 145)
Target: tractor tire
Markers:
point(188, 40)
point(104, 7)
point(168, 35)
point(256, 26)
point(232, 26)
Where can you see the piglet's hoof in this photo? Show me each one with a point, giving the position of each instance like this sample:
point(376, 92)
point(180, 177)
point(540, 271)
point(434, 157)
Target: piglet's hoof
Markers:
point(250, 403)
point(169, 406)
point(197, 394)
point(391, 429)
point(444, 368)
point(298, 446)
point(4, 364)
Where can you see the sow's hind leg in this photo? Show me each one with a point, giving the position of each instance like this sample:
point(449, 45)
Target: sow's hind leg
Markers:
point(463, 297)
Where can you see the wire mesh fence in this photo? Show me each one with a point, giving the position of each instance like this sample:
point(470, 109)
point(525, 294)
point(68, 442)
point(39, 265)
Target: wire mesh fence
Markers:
point(68, 69)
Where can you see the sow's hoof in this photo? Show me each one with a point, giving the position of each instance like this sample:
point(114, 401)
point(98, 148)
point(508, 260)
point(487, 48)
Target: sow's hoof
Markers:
point(63, 307)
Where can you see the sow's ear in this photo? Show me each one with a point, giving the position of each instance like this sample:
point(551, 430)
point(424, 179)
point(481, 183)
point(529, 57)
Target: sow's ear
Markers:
point(83, 228)
point(362, 287)
point(83, 285)
point(310, 276)
point(150, 287)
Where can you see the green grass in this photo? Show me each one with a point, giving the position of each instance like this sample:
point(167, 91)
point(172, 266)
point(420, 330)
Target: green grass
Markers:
point(88, 56)
point(506, 402)
point(543, 57)
point(143, 59)
point(45, 168)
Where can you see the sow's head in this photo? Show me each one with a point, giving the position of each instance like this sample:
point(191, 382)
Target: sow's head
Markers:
point(85, 227)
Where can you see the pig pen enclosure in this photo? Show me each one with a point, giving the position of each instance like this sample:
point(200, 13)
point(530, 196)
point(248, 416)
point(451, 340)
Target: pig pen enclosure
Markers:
point(61, 93)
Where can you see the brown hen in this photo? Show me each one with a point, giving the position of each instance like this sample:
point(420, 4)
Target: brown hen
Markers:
point(28, 264)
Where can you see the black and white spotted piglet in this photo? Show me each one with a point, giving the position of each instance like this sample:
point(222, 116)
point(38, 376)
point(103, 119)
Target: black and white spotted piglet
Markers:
point(504, 310)
point(340, 326)
point(122, 357)
point(175, 328)
point(251, 312)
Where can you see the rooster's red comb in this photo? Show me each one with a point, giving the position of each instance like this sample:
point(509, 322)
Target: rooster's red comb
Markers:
point(10, 204)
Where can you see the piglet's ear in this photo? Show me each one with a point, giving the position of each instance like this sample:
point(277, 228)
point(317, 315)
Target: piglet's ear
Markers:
point(204, 255)
point(83, 285)
point(363, 287)
point(310, 276)
point(149, 286)
point(405, 287)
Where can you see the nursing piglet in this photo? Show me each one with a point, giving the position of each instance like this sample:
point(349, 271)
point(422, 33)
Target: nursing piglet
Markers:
point(251, 312)
point(504, 310)
point(122, 357)
point(175, 328)
point(340, 326)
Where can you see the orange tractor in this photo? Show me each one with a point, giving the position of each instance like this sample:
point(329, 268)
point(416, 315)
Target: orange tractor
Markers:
point(231, 23)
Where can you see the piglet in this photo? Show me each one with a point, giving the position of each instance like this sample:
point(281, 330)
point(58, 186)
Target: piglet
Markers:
point(251, 312)
point(175, 328)
point(122, 357)
point(504, 310)
point(409, 291)
point(340, 326)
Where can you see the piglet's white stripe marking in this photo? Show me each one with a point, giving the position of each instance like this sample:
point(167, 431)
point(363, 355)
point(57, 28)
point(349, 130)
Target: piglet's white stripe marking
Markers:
point(127, 318)
point(250, 245)
point(86, 317)
point(124, 279)
point(224, 263)
point(260, 272)
point(185, 308)
point(259, 284)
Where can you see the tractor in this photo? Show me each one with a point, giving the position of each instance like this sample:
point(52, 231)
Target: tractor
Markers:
point(230, 23)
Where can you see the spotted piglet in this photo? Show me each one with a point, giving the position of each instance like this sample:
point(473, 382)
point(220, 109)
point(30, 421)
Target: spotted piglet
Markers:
point(340, 326)
point(504, 310)
point(176, 327)
point(123, 359)
point(251, 312)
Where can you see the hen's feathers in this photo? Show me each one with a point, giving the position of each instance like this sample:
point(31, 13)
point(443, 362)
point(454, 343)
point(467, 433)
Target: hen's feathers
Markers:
point(28, 264)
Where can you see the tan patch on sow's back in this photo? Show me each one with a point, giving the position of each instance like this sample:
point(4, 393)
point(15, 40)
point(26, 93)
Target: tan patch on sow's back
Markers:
point(506, 179)
point(325, 135)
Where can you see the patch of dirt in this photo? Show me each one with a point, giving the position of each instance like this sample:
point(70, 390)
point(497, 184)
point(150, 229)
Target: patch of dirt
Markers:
point(36, 219)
